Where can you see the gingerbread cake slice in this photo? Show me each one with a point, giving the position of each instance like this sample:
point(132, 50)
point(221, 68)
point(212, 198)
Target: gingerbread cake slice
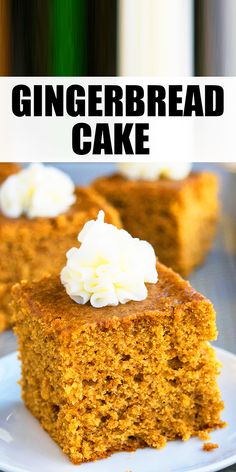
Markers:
point(178, 217)
point(119, 377)
point(31, 247)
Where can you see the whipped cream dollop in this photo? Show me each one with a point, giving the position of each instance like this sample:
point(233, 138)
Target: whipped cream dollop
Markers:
point(154, 170)
point(37, 191)
point(109, 267)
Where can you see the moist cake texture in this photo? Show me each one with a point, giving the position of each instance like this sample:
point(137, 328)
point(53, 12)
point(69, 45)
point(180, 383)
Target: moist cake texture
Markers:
point(118, 378)
point(33, 248)
point(178, 217)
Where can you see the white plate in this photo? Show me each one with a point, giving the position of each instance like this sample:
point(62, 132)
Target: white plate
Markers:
point(25, 447)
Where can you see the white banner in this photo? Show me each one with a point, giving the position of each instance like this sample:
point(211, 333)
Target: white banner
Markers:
point(103, 128)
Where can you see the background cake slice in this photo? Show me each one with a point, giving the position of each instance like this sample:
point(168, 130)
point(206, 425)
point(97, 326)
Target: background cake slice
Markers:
point(118, 377)
point(178, 217)
point(33, 247)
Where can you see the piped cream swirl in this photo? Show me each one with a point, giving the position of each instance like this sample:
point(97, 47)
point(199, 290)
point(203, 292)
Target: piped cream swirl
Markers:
point(110, 267)
point(37, 191)
point(154, 170)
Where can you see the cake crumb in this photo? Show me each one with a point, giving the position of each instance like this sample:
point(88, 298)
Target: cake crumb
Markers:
point(208, 447)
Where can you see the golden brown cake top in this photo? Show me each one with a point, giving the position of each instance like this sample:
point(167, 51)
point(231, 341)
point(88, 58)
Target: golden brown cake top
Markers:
point(48, 301)
point(7, 169)
point(163, 184)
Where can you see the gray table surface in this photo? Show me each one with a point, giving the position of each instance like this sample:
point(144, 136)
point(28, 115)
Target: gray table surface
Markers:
point(216, 278)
